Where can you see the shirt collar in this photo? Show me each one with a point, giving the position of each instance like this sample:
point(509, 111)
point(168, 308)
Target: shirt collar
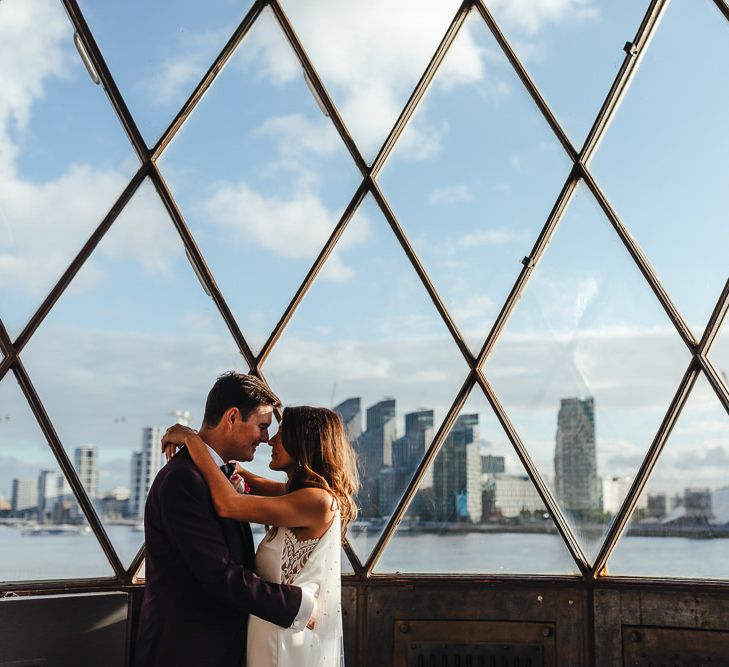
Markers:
point(215, 456)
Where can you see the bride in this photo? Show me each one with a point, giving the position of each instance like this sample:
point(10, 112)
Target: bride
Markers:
point(308, 516)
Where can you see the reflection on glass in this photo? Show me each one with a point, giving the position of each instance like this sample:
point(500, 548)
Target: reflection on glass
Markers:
point(346, 565)
point(133, 346)
point(158, 51)
point(473, 179)
point(680, 527)
point(370, 55)
point(64, 158)
point(719, 352)
point(43, 531)
point(547, 39)
point(476, 509)
point(586, 369)
point(368, 341)
point(664, 159)
point(262, 178)
point(139, 576)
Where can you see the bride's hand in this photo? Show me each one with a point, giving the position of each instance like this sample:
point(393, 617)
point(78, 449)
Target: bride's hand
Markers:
point(176, 436)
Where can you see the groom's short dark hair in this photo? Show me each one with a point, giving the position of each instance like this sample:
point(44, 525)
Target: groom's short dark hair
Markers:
point(237, 390)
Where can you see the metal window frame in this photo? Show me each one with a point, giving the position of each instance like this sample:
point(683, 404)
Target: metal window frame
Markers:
point(593, 575)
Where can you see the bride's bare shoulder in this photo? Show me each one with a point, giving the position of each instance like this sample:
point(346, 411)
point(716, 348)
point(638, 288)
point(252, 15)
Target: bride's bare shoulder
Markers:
point(316, 501)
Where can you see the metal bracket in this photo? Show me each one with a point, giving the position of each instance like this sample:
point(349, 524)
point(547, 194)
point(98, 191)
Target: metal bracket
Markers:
point(631, 49)
point(528, 262)
point(85, 58)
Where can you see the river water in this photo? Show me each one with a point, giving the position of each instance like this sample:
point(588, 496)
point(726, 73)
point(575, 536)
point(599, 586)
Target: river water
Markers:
point(24, 557)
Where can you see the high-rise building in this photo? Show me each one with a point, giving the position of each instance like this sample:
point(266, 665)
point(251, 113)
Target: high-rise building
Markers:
point(145, 465)
point(85, 461)
point(492, 465)
point(375, 444)
point(510, 496)
point(657, 505)
point(56, 501)
point(24, 497)
point(457, 474)
point(614, 490)
point(408, 450)
point(575, 458)
point(135, 482)
point(351, 413)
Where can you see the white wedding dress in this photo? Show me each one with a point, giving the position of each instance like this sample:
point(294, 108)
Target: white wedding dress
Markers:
point(285, 559)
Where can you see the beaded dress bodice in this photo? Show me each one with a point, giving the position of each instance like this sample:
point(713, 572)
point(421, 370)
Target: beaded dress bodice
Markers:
point(294, 555)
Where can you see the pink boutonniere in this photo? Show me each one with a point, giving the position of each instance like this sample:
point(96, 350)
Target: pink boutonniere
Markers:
point(239, 484)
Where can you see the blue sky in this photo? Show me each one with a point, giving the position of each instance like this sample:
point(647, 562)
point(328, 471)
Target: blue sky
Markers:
point(261, 178)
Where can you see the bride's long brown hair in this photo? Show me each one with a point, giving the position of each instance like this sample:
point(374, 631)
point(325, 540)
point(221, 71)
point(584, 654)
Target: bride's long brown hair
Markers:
point(317, 440)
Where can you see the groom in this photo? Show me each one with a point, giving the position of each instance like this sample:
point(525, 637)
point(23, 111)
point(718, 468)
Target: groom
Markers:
point(199, 585)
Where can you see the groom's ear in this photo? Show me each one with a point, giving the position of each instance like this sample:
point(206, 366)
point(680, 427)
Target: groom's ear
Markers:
point(231, 416)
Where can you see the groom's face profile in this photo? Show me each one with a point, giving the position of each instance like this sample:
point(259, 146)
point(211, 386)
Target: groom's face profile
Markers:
point(247, 434)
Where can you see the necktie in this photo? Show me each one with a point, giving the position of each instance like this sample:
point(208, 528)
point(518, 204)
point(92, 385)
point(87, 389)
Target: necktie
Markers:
point(228, 469)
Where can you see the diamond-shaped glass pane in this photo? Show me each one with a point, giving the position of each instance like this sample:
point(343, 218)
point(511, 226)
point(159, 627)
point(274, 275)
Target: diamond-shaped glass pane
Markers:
point(473, 198)
point(367, 341)
point(370, 55)
point(547, 36)
point(64, 158)
point(680, 527)
point(476, 510)
point(131, 347)
point(158, 51)
point(262, 179)
point(43, 532)
point(586, 368)
point(664, 159)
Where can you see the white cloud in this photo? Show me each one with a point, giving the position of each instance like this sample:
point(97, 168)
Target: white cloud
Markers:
point(175, 77)
point(31, 51)
point(292, 228)
point(296, 135)
point(369, 85)
point(43, 224)
point(531, 16)
point(486, 237)
point(453, 194)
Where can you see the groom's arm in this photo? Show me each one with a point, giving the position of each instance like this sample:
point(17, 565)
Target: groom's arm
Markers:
point(189, 520)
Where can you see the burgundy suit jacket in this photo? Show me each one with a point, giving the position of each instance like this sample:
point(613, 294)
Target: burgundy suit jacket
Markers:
point(199, 586)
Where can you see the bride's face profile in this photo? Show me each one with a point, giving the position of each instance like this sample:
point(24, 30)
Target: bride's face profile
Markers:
point(280, 458)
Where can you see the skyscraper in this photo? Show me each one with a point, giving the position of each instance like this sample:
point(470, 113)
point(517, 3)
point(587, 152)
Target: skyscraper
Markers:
point(375, 444)
point(575, 458)
point(457, 474)
point(145, 465)
point(55, 497)
point(491, 465)
point(408, 450)
point(86, 463)
point(351, 413)
point(24, 497)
